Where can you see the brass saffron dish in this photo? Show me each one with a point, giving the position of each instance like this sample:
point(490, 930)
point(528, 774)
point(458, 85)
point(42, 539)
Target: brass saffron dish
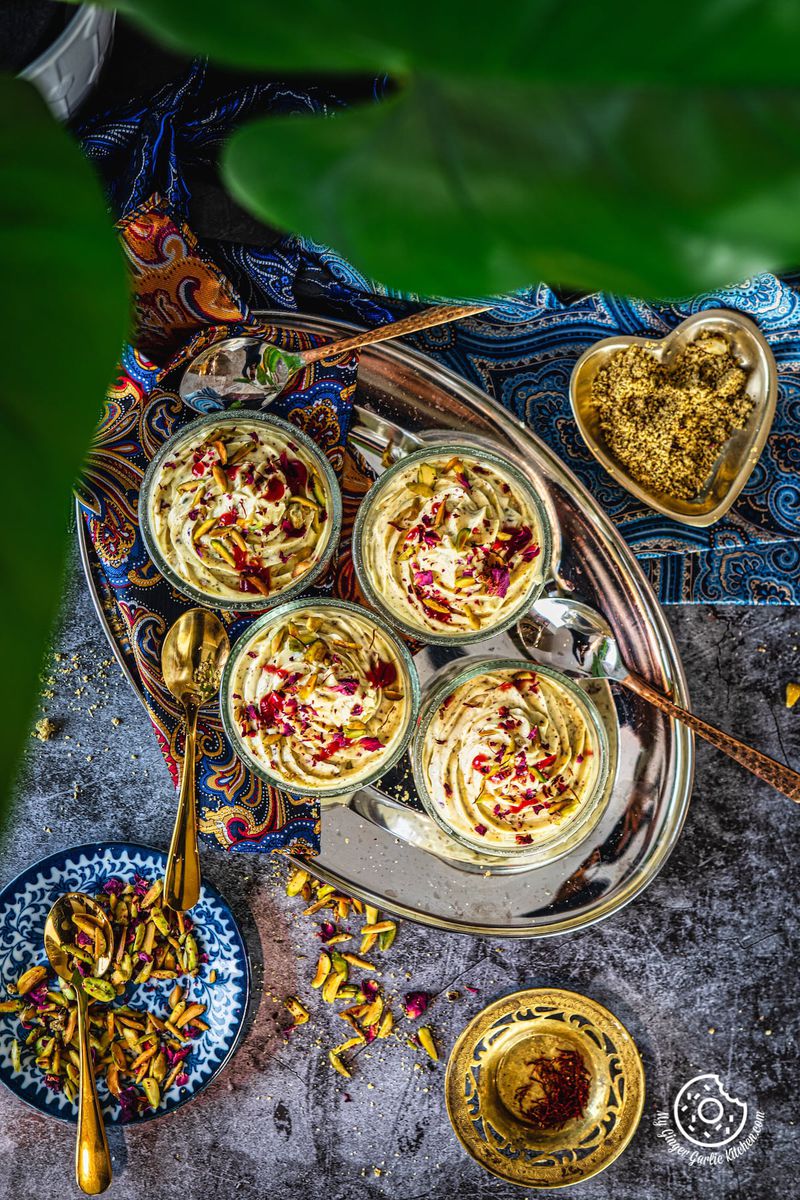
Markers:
point(488, 1075)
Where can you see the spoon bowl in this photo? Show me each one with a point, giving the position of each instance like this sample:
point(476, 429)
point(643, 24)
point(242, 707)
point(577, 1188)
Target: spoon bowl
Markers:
point(250, 371)
point(571, 636)
point(567, 634)
point(194, 653)
point(59, 931)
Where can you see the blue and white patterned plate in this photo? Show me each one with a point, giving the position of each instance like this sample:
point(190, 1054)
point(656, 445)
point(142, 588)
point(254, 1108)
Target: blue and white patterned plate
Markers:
point(24, 905)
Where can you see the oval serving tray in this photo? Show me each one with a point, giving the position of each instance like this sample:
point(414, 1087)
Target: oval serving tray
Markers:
point(405, 398)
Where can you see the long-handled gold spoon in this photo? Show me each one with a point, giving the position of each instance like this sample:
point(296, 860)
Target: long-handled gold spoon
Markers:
point(92, 1159)
point(251, 371)
point(192, 657)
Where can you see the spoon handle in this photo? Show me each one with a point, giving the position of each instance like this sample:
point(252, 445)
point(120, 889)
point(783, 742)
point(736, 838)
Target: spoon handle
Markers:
point(440, 314)
point(182, 876)
point(92, 1159)
point(783, 778)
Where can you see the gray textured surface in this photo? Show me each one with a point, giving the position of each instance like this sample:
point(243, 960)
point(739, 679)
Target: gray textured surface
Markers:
point(701, 968)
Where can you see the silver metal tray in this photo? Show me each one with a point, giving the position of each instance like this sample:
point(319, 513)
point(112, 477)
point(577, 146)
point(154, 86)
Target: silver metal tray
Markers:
point(377, 844)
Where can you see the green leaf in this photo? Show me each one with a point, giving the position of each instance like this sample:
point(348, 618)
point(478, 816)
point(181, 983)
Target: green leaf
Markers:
point(549, 41)
point(593, 145)
point(63, 309)
point(458, 188)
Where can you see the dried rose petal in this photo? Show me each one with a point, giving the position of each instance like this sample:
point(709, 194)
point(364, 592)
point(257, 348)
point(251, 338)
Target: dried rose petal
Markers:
point(371, 743)
point(381, 674)
point(346, 687)
point(415, 1004)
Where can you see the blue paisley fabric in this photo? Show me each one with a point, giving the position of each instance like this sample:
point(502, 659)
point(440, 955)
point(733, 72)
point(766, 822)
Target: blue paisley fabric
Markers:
point(142, 411)
point(521, 353)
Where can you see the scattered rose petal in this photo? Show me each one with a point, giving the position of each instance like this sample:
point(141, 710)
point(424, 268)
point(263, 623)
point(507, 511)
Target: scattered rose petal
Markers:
point(415, 1004)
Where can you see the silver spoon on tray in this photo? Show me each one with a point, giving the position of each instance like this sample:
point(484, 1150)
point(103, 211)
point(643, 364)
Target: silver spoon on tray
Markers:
point(248, 372)
point(578, 640)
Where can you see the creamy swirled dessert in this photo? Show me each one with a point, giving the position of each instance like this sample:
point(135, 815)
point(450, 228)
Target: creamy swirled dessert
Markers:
point(321, 696)
point(240, 509)
point(509, 755)
point(450, 543)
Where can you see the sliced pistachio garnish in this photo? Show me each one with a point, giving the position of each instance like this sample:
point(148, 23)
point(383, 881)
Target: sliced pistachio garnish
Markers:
point(222, 550)
point(203, 528)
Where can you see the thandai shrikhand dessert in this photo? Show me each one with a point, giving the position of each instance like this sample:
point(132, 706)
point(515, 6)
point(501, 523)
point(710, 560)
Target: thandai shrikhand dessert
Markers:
point(240, 509)
point(509, 756)
point(450, 543)
point(320, 697)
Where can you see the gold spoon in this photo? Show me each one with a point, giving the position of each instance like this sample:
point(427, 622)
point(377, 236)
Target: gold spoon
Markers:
point(92, 1159)
point(192, 658)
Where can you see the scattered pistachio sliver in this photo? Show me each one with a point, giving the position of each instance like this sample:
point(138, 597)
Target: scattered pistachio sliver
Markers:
point(220, 478)
point(426, 1041)
point(31, 979)
point(426, 475)
point(299, 1013)
point(420, 489)
point(378, 927)
point(361, 963)
point(338, 1065)
point(331, 986)
point(323, 970)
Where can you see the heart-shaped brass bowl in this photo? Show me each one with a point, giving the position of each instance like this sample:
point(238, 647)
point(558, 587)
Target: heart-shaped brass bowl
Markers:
point(740, 453)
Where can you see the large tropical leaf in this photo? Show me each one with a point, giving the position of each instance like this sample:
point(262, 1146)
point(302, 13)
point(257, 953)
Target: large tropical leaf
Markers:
point(592, 145)
point(460, 188)
point(63, 311)
point(547, 41)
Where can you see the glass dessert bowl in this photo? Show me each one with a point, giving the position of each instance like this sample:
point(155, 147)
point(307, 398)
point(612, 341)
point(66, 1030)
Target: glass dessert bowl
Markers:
point(240, 511)
point(452, 544)
point(319, 697)
point(511, 759)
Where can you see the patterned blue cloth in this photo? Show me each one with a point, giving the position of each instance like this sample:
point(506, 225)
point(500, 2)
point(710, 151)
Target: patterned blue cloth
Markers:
point(521, 354)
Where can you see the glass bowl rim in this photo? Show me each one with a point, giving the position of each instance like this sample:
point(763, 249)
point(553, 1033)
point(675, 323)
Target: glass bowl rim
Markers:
point(438, 449)
point(245, 604)
point(239, 649)
point(593, 809)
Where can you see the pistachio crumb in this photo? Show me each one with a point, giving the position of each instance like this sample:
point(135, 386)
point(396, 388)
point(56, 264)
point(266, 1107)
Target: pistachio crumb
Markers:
point(44, 729)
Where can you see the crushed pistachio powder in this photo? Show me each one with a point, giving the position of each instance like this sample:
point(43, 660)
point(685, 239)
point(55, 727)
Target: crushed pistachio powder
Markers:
point(666, 424)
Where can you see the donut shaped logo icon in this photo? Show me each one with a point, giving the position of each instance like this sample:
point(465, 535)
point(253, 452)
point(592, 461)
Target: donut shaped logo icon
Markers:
point(706, 1115)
